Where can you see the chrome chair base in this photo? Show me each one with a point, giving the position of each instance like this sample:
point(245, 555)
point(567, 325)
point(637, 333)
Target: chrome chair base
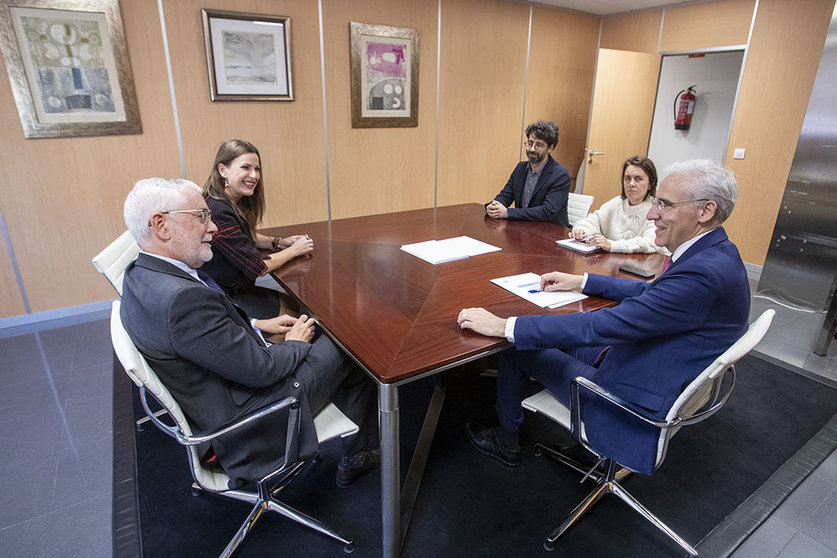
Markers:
point(140, 422)
point(607, 482)
point(265, 500)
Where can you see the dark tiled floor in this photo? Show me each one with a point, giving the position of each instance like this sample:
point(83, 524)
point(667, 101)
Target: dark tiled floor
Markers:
point(56, 430)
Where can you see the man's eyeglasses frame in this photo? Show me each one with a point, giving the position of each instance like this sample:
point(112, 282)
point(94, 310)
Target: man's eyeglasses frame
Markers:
point(203, 215)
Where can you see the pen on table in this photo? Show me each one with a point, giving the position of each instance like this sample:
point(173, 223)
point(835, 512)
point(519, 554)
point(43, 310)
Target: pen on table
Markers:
point(535, 291)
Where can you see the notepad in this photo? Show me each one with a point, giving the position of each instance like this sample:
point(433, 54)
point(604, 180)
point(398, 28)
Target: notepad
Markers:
point(448, 250)
point(577, 245)
point(522, 284)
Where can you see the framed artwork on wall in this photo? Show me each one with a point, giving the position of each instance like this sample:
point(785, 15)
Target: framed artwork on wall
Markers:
point(248, 56)
point(384, 75)
point(68, 66)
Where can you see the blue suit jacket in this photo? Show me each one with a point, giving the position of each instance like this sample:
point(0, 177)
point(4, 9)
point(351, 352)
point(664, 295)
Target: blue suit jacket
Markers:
point(549, 200)
point(662, 335)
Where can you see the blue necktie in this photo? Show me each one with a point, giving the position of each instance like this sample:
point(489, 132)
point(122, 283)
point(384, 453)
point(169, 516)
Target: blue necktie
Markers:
point(210, 282)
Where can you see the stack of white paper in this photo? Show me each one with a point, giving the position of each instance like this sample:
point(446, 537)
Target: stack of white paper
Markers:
point(448, 250)
point(577, 245)
point(528, 286)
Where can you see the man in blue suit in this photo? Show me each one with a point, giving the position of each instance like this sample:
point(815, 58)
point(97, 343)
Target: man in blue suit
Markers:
point(646, 349)
point(539, 187)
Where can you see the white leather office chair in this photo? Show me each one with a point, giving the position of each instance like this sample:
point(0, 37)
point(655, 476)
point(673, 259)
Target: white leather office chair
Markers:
point(329, 423)
point(578, 206)
point(701, 399)
point(113, 260)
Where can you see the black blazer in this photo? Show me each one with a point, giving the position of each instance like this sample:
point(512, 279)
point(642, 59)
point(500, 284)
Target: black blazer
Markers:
point(549, 200)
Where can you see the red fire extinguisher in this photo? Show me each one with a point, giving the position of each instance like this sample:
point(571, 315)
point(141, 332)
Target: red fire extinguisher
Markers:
point(684, 106)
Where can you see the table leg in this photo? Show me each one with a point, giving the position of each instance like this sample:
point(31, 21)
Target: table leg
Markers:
point(390, 471)
point(415, 472)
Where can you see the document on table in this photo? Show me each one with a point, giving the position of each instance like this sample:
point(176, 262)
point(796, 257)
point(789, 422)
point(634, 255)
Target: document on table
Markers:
point(448, 250)
point(577, 245)
point(528, 286)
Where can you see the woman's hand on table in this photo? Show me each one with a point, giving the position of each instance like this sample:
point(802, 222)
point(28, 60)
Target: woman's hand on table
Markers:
point(600, 242)
point(301, 245)
point(284, 242)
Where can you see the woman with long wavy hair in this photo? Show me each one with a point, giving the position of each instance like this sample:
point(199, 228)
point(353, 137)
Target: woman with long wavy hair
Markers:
point(234, 193)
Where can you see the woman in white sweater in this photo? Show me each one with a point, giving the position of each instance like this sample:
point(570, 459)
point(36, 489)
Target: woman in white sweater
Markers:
point(619, 225)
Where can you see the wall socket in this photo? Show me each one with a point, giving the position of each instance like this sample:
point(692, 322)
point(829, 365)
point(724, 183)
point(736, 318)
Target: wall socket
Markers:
point(738, 153)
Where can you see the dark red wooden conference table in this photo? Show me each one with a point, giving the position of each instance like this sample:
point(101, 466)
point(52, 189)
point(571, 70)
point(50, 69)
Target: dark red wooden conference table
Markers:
point(395, 314)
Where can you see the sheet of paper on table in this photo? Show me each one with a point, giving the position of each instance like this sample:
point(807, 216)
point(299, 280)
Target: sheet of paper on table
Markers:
point(448, 250)
point(522, 285)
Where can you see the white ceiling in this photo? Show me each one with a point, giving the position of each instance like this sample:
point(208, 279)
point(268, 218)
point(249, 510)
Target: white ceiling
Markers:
point(604, 7)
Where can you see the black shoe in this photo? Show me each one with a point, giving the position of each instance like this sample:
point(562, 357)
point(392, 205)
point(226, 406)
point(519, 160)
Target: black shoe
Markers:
point(485, 441)
point(352, 468)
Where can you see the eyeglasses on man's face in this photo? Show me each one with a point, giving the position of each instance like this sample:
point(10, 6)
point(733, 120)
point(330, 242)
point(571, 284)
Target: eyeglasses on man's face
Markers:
point(535, 145)
point(203, 215)
point(660, 206)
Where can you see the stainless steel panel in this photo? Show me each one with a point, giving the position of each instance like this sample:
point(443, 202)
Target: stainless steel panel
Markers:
point(802, 259)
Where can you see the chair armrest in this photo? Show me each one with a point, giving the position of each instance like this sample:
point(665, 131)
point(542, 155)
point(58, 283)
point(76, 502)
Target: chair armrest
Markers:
point(176, 433)
point(580, 381)
point(597, 390)
point(714, 403)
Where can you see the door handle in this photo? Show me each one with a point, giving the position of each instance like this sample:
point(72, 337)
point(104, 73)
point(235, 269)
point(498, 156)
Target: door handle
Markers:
point(590, 156)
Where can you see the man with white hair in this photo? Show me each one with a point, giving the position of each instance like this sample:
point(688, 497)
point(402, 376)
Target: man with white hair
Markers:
point(646, 349)
point(215, 360)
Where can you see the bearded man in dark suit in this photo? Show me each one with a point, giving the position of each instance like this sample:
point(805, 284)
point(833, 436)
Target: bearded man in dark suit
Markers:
point(539, 187)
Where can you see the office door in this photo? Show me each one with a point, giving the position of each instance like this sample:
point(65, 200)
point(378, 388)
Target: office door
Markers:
point(620, 120)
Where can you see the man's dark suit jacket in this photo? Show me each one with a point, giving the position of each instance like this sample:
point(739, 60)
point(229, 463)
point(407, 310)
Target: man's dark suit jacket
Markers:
point(216, 367)
point(549, 200)
point(662, 335)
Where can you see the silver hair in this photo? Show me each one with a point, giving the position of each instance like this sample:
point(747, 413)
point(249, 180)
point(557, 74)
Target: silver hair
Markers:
point(708, 180)
point(149, 196)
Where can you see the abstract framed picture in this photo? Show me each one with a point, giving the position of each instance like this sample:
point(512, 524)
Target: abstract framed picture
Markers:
point(384, 76)
point(68, 66)
point(248, 56)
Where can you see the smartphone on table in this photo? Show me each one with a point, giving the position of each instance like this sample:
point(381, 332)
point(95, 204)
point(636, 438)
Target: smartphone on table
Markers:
point(638, 271)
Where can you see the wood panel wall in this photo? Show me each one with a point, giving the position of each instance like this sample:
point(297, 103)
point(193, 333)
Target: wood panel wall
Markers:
point(379, 170)
point(63, 197)
point(482, 113)
point(11, 299)
point(636, 31)
point(481, 89)
point(682, 28)
point(722, 23)
point(560, 82)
